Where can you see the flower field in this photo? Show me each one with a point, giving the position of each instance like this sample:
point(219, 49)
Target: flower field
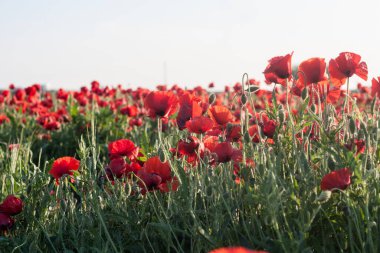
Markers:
point(108, 169)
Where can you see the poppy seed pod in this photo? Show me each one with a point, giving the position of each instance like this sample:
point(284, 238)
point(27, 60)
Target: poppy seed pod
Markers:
point(304, 94)
point(211, 98)
point(281, 115)
point(352, 125)
point(244, 99)
point(313, 108)
point(161, 155)
point(324, 196)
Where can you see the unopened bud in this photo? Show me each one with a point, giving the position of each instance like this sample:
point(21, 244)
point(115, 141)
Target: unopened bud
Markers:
point(161, 155)
point(324, 196)
point(244, 99)
point(313, 108)
point(211, 98)
point(352, 125)
point(304, 94)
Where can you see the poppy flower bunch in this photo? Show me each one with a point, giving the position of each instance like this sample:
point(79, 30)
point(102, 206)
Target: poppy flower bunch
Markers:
point(10, 206)
point(123, 156)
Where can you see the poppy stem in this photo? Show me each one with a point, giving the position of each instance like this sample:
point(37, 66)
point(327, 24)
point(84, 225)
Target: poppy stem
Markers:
point(347, 96)
point(159, 129)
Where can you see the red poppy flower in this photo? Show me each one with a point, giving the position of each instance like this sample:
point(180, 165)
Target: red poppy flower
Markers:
point(359, 144)
point(199, 125)
point(313, 70)
point(236, 250)
point(233, 132)
point(225, 152)
point(254, 133)
point(117, 167)
point(6, 222)
point(161, 103)
point(269, 127)
point(11, 205)
point(64, 165)
point(62, 95)
point(220, 114)
point(131, 111)
point(189, 108)
point(339, 179)
point(123, 147)
point(280, 66)
point(190, 147)
point(4, 118)
point(375, 89)
point(154, 173)
point(346, 65)
point(272, 78)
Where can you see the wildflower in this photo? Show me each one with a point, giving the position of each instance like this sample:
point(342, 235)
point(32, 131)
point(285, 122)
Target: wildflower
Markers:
point(221, 115)
point(199, 125)
point(312, 71)
point(375, 89)
point(6, 222)
point(123, 147)
point(346, 65)
point(339, 179)
point(64, 165)
point(161, 103)
point(155, 174)
point(11, 205)
point(280, 67)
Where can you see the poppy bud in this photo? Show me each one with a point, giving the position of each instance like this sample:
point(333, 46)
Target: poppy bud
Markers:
point(324, 196)
point(244, 99)
point(331, 163)
point(281, 115)
point(211, 98)
point(363, 126)
point(373, 105)
point(352, 125)
point(313, 108)
point(304, 94)
point(161, 155)
point(247, 137)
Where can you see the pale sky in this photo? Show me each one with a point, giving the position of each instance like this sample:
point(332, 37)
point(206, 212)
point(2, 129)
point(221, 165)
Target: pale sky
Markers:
point(70, 43)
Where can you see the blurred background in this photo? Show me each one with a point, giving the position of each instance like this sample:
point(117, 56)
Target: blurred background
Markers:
point(144, 43)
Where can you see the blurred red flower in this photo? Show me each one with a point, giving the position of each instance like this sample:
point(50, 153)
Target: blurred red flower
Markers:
point(225, 152)
point(155, 174)
point(11, 205)
point(161, 103)
point(339, 179)
point(189, 108)
point(236, 250)
point(312, 71)
point(375, 89)
point(199, 125)
point(220, 114)
point(6, 222)
point(123, 147)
